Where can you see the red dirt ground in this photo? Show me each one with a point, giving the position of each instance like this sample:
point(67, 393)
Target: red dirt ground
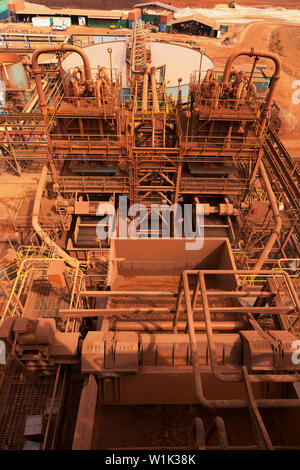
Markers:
point(257, 3)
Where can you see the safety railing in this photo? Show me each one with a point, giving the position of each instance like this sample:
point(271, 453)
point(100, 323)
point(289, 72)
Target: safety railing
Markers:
point(54, 88)
point(53, 110)
point(102, 254)
point(93, 258)
point(17, 204)
point(9, 272)
point(32, 251)
point(84, 104)
point(30, 266)
point(291, 265)
point(78, 278)
point(166, 105)
point(26, 142)
point(258, 279)
point(114, 73)
point(221, 143)
point(221, 185)
point(95, 183)
point(69, 141)
point(227, 105)
point(238, 278)
point(240, 373)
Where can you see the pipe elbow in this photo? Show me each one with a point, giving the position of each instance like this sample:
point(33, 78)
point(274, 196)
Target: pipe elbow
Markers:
point(251, 53)
point(65, 48)
point(277, 230)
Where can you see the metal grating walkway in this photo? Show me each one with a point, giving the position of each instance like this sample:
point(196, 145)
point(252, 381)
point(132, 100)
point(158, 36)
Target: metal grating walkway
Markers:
point(20, 396)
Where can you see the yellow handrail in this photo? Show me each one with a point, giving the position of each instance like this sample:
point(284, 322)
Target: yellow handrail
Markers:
point(28, 268)
point(288, 260)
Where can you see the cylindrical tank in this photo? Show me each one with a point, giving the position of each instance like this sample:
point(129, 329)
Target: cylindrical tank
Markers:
point(2, 96)
point(13, 71)
point(13, 74)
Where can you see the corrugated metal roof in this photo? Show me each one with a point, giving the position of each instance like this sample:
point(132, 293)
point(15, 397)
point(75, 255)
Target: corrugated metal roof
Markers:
point(38, 10)
point(156, 4)
point(197, 18)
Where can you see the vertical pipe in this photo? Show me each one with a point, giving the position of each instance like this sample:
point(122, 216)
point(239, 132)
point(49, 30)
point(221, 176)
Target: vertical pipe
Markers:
point(81, 127)
point(251, 76)
point(61, 72)
point(210, 338)
point(37, 71)
point(145, 88)
point(200, 434)
point(154, 91)
point(256, 166)
point(178, 305)
point(276, 232)
point(35, 220)
point(178, 181)
point(274, 80)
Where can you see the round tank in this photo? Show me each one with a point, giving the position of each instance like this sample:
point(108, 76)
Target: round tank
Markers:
point(180, 62)
point(13, 71)
point(17, 75)
point(13, 75)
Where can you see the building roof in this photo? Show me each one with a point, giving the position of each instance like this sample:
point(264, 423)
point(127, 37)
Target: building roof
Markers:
point(197, 18)
point(41, 10)
point(165, 6)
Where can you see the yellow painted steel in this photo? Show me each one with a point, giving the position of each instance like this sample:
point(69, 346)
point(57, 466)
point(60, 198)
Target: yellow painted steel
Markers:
point(287, 260)
point(31, 260)
point(26, 268)
point(18, 202)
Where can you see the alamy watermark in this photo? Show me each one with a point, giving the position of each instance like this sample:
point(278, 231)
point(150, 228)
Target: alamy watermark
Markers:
point(133, 222)
point(296, 354)
point(296, 94)
point(2, 95)
point(2, 352)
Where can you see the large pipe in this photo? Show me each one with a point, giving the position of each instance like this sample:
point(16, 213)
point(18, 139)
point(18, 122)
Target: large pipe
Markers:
point(145, 88)
point(35, 220)
point(235, 377)
point(82, 74)
point(98, 92)
point(37, 71)
point(195, 360)
point(276, 232)
point(63, 48)
point(104, 75)
point(154, 91)
point(80, 71)
point(199, 392)
point(275, 77)
point(181, 326)
point(208, 76)
point(219, 426)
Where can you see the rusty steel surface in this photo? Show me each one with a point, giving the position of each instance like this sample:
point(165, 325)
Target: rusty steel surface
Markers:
point(134, 323)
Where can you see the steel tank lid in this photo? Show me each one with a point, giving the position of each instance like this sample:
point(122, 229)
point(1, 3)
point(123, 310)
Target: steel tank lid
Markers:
point(180, 61)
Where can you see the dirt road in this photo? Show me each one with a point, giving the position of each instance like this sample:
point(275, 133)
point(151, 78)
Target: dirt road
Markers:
point(122, 4)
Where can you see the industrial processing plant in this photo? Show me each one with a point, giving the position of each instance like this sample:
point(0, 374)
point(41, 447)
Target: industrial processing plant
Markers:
point(150, 235)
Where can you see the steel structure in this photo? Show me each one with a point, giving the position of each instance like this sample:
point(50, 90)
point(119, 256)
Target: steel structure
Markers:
point(144, 321)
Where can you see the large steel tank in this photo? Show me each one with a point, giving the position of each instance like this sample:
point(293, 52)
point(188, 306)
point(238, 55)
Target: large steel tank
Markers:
point(180, 62)
point(13, 77)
